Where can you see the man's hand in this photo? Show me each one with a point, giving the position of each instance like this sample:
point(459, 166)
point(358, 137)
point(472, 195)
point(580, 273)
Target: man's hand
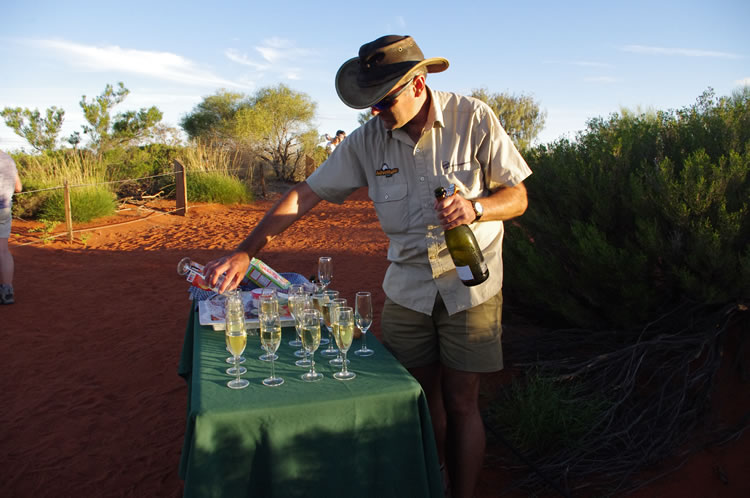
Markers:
point(235, 266)
point(454, 211)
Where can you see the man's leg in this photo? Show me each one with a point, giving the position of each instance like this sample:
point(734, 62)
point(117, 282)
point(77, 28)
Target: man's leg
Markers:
point(465, 429)
point(429, 377)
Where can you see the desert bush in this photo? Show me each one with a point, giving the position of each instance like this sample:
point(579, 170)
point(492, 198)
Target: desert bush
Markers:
point(641, 212)
point(216, 187)
point(86, 204)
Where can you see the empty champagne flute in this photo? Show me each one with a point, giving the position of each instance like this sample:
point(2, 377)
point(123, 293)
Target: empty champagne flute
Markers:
point(311, 341)
point(270, 338)
point(363, 319)
point(344, 333)
point(325, 271)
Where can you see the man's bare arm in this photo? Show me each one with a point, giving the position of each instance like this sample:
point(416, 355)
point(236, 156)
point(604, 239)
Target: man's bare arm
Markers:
point(292, 206)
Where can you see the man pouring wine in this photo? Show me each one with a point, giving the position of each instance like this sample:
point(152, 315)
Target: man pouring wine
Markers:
point(444, 332)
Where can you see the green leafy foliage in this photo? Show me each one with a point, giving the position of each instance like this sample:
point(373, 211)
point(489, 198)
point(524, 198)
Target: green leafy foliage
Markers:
point(127, 128)
point(520, 115)
point(275, 124)
point(40, 131)
point(640, 213)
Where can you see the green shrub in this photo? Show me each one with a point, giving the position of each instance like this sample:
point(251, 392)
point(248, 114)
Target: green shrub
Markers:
point(86, 204)
point(640, 213)
point(216, 187)
point(540, 415)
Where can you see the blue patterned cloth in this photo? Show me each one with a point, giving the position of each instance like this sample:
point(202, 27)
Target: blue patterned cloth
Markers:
point(198, 294)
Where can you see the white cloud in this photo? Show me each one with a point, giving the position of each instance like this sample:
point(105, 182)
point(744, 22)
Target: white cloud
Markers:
point(234, 56)
point(160, 65)
point(278, 57)
point(682, 52)
point(743, 82)
point(277, 49)
point(579, 63)
point(600, 79)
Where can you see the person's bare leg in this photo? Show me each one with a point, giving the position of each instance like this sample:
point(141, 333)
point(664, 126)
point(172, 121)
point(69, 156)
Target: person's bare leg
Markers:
point(6, 263)
point(429, 378)
point(467, 437)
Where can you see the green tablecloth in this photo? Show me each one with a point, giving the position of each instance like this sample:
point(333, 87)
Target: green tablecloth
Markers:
point(370, 436)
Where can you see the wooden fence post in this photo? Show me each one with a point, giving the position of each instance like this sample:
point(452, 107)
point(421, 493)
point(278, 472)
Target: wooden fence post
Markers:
point(68, 212)
point(180, 182)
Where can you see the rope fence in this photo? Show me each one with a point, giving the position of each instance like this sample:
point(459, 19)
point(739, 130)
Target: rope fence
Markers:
point(180, 174)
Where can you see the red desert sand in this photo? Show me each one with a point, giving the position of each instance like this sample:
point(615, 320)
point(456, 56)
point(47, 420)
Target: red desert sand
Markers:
point(93, 403)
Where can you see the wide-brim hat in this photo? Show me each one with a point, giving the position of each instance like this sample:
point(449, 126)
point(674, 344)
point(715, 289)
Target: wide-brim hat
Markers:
point(382, 65)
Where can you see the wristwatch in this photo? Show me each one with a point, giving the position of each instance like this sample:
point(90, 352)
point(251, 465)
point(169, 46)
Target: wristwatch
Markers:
point(478, 210)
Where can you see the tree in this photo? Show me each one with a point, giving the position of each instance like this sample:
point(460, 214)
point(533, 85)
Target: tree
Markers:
point(277, 120)
point(127, 128)
point(275, 124)
point(40, 132)
point(213, 119)
point(519, 114)
point(364, 116)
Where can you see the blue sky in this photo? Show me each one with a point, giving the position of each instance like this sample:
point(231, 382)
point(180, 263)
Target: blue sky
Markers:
point(577, 59)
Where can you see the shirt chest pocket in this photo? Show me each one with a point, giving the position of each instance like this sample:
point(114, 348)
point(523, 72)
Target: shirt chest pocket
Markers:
point(390, 201)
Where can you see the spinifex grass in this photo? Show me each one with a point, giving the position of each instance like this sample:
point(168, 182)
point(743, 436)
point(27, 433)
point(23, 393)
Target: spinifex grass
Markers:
point(538, 416)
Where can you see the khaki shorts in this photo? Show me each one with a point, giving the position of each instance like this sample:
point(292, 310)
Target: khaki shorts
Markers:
point(469, 341)
point(5, 218)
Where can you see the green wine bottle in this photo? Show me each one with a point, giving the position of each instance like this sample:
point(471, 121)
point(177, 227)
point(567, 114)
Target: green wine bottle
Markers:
point(464, 249)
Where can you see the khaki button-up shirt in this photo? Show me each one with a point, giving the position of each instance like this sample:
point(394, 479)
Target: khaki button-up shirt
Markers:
point(463, 143)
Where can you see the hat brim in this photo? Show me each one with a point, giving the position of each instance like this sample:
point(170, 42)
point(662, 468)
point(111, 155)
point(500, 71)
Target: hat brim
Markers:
point(359, 97)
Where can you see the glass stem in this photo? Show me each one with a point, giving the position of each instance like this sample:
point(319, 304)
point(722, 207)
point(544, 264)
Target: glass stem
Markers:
point(237, 368)
point(364, 339)
point(273, 373)
point(343, 367)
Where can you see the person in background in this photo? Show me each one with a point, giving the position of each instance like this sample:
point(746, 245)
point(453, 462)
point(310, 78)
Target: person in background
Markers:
point(9, 183)
point(333, 142)
point(445, 333)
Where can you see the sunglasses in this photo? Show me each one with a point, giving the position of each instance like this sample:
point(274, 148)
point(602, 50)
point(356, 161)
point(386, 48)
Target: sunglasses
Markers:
point(387, 102)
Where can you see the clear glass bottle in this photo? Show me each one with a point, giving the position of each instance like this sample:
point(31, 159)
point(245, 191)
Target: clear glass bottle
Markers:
point(193, 273)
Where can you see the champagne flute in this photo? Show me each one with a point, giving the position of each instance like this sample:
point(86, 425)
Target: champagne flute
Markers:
point(319, 299)
point(311, 341)
point(234, 317)
point(340, 303)
point(363, 319)
point(327, 312)
point(268, 306)
point(297, 305)
point(344, 333)
point(294, 291)
point(270, 338)
point(325, 271)
point(236, 339)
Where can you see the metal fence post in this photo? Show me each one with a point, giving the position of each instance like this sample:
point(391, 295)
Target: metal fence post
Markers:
point(68, 212)
point(180, 182)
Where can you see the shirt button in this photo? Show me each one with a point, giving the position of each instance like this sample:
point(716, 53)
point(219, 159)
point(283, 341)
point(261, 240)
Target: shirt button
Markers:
point(387, 196)
point(416, 150)
point(421, 178)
